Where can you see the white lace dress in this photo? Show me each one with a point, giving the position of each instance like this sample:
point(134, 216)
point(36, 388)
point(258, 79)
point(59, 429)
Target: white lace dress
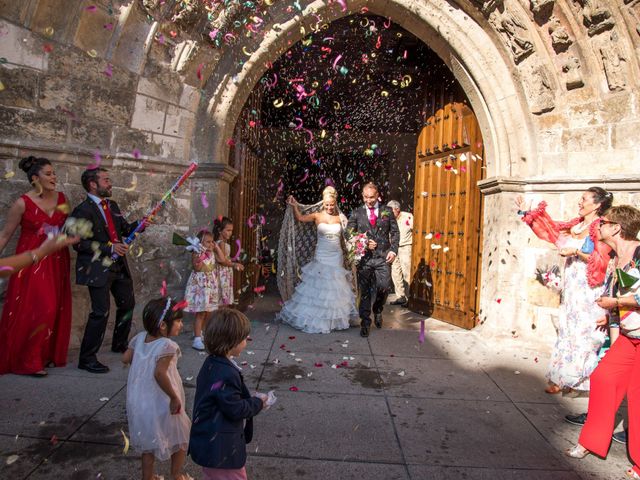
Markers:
point(324, 300)
point(152, 427)
point(575, 354)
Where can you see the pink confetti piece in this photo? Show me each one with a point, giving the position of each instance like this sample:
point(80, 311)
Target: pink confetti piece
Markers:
point(7, 269)
point(305, 176)
point(293, 389)
point(163, 289)
point(318, 364)
point(199, 71)
point(203, 200)
point(136, 153)
point(259, 289)
point(216, 385)
point(91, 8)
point(421, 337)
point(108, 71)
point(181, 305)
point(292, 337)
point(97, 161)
point(108, 26)
point(335, 62)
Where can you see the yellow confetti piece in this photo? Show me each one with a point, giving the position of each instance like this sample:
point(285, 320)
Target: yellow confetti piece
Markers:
point(49, 31)
point(1, 86)
point(278, 103)
point(134, 185)
point(244, 50)
point(336, 105)
point(64, 208)
point(92, 53)
point(125, 450)
point(12, 459)
point(140, 251)
point(384, 93)
point(9, 175)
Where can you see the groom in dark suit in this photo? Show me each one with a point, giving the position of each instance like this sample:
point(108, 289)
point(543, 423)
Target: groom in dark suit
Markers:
point(96, 270)
point(374, 269)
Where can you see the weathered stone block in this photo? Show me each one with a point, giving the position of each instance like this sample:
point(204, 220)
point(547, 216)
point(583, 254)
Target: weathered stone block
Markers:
point(173, 148)
point(125, 139)
point(586, 139)
point(130, 53)
point(148, 114)
point(179, 122)
point(55, 14)
point(69, 62)
point(21, 47)
point(626, 135)
point(90, 133)
point(190, 98)
point(32, 125)
point(95, 29)
point(159, 83)
point(20, 87)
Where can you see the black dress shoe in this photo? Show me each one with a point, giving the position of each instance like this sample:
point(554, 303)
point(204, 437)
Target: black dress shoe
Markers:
point(93, 367)
point(400, 301)
point(620, 437)
point(119, 349)
point(364, 331)
point(576, 419)
point(377, 320)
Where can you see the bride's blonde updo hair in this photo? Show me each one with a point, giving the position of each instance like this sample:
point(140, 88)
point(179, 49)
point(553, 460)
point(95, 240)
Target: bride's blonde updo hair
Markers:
point(329, 193)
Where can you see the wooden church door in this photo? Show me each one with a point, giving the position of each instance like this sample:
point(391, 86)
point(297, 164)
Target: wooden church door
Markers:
point(448, 217)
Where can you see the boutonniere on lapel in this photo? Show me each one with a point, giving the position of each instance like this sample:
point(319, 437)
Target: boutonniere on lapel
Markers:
point(385, 214)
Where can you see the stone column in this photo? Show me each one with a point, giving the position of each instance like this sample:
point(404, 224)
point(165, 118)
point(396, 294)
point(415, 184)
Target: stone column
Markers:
point(210, 194)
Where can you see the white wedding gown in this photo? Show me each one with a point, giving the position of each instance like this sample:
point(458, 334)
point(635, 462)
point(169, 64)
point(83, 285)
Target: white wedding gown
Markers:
point(324, 300)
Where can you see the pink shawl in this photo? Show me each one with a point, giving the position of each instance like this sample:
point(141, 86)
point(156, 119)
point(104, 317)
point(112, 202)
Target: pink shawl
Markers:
point(547, 229)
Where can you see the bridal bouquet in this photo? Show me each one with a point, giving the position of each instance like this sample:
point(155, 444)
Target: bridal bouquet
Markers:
point(550, 278)
point(357, 247)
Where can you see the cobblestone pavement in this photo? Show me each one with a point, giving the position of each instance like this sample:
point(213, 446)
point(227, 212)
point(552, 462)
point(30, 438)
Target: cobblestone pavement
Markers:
point(386, 407)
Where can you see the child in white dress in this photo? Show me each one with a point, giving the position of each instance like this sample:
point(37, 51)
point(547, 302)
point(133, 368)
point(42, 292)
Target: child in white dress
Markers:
point(202, 291)
point(158, 424)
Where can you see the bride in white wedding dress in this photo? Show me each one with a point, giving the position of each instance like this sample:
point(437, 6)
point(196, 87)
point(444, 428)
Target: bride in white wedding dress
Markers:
point(323, 300)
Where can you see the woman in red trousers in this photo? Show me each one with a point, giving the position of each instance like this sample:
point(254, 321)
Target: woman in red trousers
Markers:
point(36, 316)
point(618, 373)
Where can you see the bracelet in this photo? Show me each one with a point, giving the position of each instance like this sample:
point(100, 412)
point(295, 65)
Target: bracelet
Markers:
point(34, 257)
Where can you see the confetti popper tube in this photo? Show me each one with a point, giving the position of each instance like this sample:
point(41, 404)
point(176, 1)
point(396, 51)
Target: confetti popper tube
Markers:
point(132, 236)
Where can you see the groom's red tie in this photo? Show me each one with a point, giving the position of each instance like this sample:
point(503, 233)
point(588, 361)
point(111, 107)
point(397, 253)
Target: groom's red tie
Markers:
point(372, 216)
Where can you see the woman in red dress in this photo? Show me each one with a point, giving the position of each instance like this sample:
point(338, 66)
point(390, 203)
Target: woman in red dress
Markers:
point(36, 317)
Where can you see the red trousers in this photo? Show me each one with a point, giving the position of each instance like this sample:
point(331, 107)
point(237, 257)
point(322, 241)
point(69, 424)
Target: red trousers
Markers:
point(617, 375)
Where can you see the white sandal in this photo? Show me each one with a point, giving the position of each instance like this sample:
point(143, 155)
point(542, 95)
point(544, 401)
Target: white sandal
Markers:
point(577, 451)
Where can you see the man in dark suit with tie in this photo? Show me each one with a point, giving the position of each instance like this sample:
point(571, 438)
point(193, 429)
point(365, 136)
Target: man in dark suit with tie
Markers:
point(374, 270)
point(96, 269)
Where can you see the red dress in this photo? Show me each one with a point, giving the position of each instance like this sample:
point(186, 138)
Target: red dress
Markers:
point(36, 318)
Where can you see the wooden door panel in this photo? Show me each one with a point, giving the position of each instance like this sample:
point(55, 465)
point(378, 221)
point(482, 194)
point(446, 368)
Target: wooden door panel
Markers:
point(447, 217)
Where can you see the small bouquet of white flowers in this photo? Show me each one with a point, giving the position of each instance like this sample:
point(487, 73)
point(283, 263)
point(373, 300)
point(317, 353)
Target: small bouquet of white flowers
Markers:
point(550, 277)
point(357, 247)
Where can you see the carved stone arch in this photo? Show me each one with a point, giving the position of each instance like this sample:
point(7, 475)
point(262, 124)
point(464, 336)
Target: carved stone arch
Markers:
point(461, 42)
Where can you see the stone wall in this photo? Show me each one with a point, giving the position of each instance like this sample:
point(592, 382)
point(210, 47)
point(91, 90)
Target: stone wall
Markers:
point(553, 83)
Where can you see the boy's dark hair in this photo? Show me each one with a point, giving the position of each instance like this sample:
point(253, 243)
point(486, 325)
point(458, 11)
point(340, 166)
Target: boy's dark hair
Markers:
point(153, 312)
point(219, 224)
point(226, 328)
point(90, 175)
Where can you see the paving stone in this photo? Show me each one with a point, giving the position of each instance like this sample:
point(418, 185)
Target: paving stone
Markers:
point(433, 378)
point(332, 426)
point(469, 433)
point(355, 374)
point(20, 455)
point(447, 473)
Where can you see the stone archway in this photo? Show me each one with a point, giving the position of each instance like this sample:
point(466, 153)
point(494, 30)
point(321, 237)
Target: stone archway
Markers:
point(497, 98)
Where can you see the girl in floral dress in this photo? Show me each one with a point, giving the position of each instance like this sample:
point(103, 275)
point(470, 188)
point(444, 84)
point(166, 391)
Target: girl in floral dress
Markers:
point(202, 290)
point(222, 231)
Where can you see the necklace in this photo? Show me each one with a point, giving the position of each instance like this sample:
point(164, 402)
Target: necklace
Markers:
point(581, 227)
